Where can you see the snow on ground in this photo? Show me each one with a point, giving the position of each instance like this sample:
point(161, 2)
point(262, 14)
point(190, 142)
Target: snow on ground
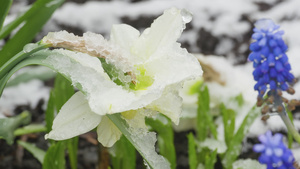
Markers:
point(23, 94)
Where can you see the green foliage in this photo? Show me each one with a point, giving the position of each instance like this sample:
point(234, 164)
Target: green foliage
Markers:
point(4, 8)
point(50, 112)
point(55, 156)
point(123, 155)
point(72, 146)
point(205, 123)
point(240, 99)
point(229, 123)
point(34, 19)
point(194, 89)
point(210, 160)
point(192, 151)
point(112, 71)
point(39, 72)
point(138, 141)
point(62, 91)
point(38, 153)
point(14, 64)
point(9, 125)
point(163, 127)
point(31, 128)
point(206, 128)
point(235, 144)
point(59, 95)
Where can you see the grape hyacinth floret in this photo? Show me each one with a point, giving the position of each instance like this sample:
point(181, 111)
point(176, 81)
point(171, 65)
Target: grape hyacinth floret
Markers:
point(274, 152)
point(272, 69)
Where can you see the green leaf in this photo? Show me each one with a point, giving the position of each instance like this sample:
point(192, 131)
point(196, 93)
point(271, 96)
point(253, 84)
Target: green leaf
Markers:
point(210, 160)
point(192, 151)
point(63, 90)
point(235, 145)
point(55, 156)
point(240, 99)
point(123, 155)
point(60, 94)
point(38, 15)
point(229, 123)
point(113, 72)
point(19, 61)
point(4, 8)
point(72, 145)
point(31, 128)
point(143, 142)
point(8, 125)
point(205, 122)
point(12, 62)
point(38, 153)
point(195, 87)
point(163, 126)
point(50, 112)
point(38, 72)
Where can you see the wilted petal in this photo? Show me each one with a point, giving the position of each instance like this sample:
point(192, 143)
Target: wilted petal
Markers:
point(108, 133)
point(165, 30)
point(74, 118)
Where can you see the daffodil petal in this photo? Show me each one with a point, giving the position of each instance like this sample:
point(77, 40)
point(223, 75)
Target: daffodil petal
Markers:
point(86, 73)
point(173, 65)
point(165, 30)
point(74, 118)
point(103, 95)
point(166, 66)
point(108, 133)
point(169, 104)
point(124, 35)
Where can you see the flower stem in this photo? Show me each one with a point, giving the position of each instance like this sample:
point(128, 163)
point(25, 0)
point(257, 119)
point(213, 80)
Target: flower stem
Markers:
point(12, 62)
point(284, 116)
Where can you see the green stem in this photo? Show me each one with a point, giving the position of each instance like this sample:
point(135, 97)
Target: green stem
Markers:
point(284, 116)
point(36, 60)
point(7, 66)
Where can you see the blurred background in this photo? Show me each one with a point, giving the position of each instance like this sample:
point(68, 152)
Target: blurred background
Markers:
point(219, 27)
point(220, 34)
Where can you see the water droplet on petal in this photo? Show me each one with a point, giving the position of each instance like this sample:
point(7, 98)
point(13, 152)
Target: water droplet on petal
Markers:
point(186, 15)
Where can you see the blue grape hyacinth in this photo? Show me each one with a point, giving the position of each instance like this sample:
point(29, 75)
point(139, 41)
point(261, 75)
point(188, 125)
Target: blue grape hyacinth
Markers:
point(271, 66)
point(274, 152)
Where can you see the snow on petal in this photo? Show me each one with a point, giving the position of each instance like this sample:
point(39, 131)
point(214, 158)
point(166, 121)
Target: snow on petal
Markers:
point(166, 64)
point(92, 44)
point(136, 118)
point(86, 72)
point(124, 35)
point(169, 104)
point(108, 133)
point(74, 118)
point(144, 141)
point(173, 65)
point(165, 30)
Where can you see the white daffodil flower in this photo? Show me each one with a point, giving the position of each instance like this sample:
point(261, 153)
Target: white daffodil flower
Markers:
point(144, 71)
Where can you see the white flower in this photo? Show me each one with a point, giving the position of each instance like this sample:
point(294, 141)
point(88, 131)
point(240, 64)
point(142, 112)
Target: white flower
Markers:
point(151, 68)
